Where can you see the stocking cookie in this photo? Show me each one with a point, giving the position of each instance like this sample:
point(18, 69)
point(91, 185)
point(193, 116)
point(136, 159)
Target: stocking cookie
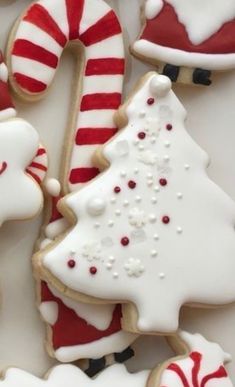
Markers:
point(136, 234)
point(97, 33)
point(186, 40)
point(21, 156)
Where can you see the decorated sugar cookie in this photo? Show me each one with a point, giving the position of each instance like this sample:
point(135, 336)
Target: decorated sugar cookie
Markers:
point(64, 375)
point(144, 226)
point(35, 46)
point(92, 25)
point(22, 160)
point(186, 39)
point(203, 366)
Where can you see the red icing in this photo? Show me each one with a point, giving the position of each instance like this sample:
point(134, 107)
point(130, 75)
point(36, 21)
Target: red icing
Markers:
point(166, 30)
point(100, 101)
point(125, 241)
point(197, 359)
point(71, 329)
point(82, 175)
point(71, 263)
point(93, 136)
point(3, 167)
point(131, 184)
point(5, 98)
point(141, 135)
point(104, 66)
point(150, 101)
point(165, 219)
point(93, 270)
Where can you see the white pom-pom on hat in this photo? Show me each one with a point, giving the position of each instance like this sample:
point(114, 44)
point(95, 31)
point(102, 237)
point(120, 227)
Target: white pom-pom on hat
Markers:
point(160, 85)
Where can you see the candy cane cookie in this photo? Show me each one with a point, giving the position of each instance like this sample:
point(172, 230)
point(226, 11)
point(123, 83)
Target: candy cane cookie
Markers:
point(21, 158)
point(97, 33)
point(35, 46)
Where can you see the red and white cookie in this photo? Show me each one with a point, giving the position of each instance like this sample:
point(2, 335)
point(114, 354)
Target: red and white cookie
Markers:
point(202, 365)
point(20, 195)
point(136, 235)
point(179, 35)
point(92, 25)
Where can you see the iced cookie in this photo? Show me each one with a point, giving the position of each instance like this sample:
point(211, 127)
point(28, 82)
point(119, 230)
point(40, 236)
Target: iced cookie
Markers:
point(92, 30)
point(64, 375)
point(77, 330)
point(203, 366)
point(188, 40)
point(21, 158)
point(199, 363)
point(136, 238)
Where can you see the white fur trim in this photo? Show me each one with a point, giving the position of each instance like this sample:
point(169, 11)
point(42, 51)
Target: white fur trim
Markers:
point(183, 58)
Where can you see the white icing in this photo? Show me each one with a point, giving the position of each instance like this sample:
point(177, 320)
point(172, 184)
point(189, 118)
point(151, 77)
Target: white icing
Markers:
point(62, 375)
point(3, 72)
point(49, 311)
point(196, 15)
point(152, 8)
point(53, 187)
point(183, 58)
point(33, 69)
point(96, 206)
point(213, 209)
point(213, 357)
point(90, 17)
point(54, 229)
point(117, 342)
point(20, 195)
point(99, 316)
point(7, 113)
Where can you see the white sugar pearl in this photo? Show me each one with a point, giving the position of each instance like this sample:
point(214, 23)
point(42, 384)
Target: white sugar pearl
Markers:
point(186, 167)
point(123, 173)
point(96, 206)
point(152, 218)
point(109, 266)
point(154, 200)
point(160, 85)
point(162, 275)
point(115, 275)
point(179, 230)
point(156, 237)
point(179, 195)
point(154, 253)
point(118, 212)
point(110, 223)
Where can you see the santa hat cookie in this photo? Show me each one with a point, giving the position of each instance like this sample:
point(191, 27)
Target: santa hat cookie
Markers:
point(178, 36)
point(7, 109)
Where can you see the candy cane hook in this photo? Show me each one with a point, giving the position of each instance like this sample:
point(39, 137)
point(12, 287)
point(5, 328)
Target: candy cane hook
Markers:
point(35, 47)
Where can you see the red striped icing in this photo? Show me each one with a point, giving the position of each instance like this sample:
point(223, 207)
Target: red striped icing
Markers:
point(100, 101)
point(105, 66)
point(29, 50)
point(74, 14)
point(83, 175)
point(91, 136)
point(38, 168)
point(194, 381)
point(30, 84)
point(40, 17)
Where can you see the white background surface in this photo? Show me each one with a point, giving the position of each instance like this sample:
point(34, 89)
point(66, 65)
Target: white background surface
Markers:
point(211, 122)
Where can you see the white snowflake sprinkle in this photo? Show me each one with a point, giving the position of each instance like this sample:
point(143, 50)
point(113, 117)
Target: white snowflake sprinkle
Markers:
point(148, 157)
point(134, 267)
point(92, 251)
point(137, 217)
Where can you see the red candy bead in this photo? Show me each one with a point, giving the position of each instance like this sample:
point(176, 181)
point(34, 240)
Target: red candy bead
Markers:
point(71, 263)
point(141, 135)
point(93, 270)
point(150, 101)
point(163, 182)
point(131, 184)
point(125, 241)
point(169, 127)
point(165, 219)
point(117, 189)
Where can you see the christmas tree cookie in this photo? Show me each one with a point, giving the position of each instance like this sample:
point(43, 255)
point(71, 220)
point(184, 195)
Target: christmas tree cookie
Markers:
point(152, 231)
point(186, 39)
